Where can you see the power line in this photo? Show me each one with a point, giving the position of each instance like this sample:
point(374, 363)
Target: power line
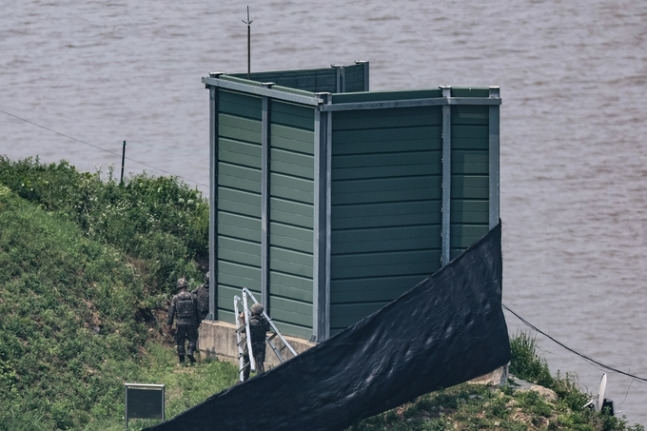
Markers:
point(56, 132)
point(588, 358)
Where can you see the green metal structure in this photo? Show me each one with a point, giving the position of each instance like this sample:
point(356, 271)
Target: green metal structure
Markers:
point(329, 201)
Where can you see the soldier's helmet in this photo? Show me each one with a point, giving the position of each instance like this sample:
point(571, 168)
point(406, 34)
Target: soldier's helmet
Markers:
point(182, 283)
point(256, 309)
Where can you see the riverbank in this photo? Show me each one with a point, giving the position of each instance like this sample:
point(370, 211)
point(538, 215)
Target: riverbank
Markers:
point(87, 268)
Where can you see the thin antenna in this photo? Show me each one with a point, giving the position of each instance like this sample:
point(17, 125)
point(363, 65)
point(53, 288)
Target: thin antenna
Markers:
point(249, 44)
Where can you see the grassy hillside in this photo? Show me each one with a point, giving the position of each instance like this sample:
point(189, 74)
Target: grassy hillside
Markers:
point(87, 268)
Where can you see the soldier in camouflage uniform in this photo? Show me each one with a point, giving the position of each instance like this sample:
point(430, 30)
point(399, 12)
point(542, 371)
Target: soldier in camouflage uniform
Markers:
point(184, 310)
point(202, 292)
point(258, 327)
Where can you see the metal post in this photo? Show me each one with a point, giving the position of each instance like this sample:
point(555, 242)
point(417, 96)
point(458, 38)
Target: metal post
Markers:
point(494, 177)
point(447, 178)
point(123, 157)
point(213, 200)
point(265, 198)
point(249, 44)
point(322, 211)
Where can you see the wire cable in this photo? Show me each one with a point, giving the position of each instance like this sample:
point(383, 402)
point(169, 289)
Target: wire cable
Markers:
point(593, 361)
point(56, 132)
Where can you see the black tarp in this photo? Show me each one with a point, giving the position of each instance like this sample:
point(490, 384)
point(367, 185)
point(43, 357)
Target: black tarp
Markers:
point(446, 330)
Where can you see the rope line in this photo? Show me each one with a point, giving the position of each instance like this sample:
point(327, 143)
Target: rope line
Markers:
point(588, 358)
point(56, 132)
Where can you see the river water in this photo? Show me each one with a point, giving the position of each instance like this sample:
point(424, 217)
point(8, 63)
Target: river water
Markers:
point(79, 78)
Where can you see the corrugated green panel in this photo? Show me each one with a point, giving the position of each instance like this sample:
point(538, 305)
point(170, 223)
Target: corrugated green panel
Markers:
point(291, 262)
point(239, 153)
point(463, 235)
point(238, 251)
point(239, 104)
point(291, 237)
point(470, 187)
point(386, 96)
point(226, 295)
point(470, 92)
point(232, 278)
point(383, 264)
point(372, 289)
point(387, 118)
point(226, 298)
point(470, 138)
point(239, 129)
point(238, 177)
point(294, 164)
point(470, 131)
point(294, 330)
point(397, 214)
point(379, 140)
point(237, 201)
point(291, 286)
point(292, 139)
point(344, 315)
point(387, 165)
point(355, 76)
point(386, 190)
point(238, 276)
point(238, 226)
point(473, 162)
point(470, 115)
point(289, 114)
point(296, 189)
point(291, 311)
point(470, 211)
point(395, 238)
point(290, 212)
point(313, 80)
point(227, 315)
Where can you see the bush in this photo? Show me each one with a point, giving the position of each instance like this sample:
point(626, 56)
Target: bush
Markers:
point(157, 220)
point(525, 363)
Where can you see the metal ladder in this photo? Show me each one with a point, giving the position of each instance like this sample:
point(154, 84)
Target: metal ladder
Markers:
point(244, 301)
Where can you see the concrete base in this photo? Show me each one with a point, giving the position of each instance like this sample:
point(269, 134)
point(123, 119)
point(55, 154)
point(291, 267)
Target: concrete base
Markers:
point(218, 340)
point(498, 377)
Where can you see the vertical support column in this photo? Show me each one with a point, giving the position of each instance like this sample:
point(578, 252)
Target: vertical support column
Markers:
point(366, 76)
point(265, 198)
point(341, 78)
point(321, 234)
point(447, 178)
point(213, 200)
point(494, 164)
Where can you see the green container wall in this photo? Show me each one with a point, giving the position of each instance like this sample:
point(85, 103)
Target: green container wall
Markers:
point(336, 79)
point(238, 207)
point(348, 204)
point(386, 203)
point(291, 217)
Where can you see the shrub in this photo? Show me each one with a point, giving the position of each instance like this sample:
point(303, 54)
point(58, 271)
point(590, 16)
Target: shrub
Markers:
point(525, 363)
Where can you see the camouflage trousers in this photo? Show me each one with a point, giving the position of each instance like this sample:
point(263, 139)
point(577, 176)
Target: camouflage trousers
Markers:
point(183, 334)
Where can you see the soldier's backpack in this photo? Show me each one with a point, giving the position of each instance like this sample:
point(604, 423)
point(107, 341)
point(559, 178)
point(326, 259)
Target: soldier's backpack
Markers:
point(185, 309)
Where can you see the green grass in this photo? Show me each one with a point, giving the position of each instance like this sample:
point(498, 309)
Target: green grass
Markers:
point(87, 269)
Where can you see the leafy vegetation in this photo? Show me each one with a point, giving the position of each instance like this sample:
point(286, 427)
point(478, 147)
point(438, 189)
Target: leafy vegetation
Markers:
point(87, 268)
point(157, 220)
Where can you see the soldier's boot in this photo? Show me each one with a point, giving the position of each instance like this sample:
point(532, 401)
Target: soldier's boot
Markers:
point(181, 359)
point(191, 358)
